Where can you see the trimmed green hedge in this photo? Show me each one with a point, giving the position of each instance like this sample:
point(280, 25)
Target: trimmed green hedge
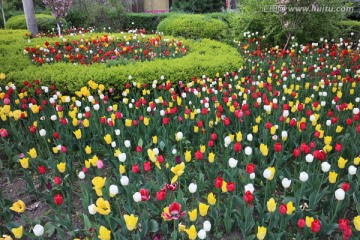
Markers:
point(45, 22)
point(205, 57)
point(193, 26)
point(351, 26)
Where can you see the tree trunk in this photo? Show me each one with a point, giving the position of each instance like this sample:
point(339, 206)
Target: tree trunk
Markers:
point(2, 12)
point(30, 16)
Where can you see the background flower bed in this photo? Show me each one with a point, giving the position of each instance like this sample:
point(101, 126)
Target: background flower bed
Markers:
point(205, 57)
point(268, 151)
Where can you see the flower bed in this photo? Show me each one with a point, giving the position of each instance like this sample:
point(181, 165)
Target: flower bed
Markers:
point(106, 48)
point(270, 151)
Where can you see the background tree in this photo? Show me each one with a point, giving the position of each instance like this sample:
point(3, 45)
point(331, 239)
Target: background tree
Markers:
point(29, 11)
point(2, 11)
point(59, 9)
point(195, 6)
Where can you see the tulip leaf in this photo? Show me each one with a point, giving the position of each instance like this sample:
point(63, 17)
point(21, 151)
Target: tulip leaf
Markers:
point(153, 226)
point(86, 221)
point(140, 142)
point(49, 229)
point(162, 145)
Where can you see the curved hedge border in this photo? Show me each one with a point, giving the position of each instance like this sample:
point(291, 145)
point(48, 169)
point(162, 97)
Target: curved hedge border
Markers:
point(205, 57)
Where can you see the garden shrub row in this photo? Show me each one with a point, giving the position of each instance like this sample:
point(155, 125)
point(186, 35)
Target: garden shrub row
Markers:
point(44, 22)
point(193, 26)
point(351, 27)
point(205, 57)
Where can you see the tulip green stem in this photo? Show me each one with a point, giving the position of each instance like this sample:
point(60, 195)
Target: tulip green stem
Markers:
point(336, 210)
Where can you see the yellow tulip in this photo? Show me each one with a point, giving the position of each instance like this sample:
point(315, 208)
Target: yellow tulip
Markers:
point(255, 129)
point(178, 170)
point(238, 136)
point(108, 139)
point(122, 169)
point(154, 139)
point(203, 209)
point(327, 140)
point(332, 177)
point(61, 167)
point(18, 232)
point(264, 149)
point(86, 123)
point(191, 232)
point(357, 223)
point(128, 123)
point(308, 221)
point(102, 206)
point(187, 156)
point(88, 150)
point(261, 233)
point(77, 134)
point(211, 199)
point(342, 162)
point(357, 160)
point(18, 206)
point(271, 205)
point(146, 121)
point(211, 157)
point(290, 208)
point(202, 148)
point(193, 215)
point(32, 152)
point(104, 233)
point(131, 221)
point(24, 162)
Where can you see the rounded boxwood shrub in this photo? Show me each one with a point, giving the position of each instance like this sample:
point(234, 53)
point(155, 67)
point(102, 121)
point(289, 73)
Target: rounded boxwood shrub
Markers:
point(45, 22)
point(193, 26)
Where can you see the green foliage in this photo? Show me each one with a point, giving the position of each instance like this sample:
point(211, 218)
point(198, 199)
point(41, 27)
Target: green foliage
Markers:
point(350, 29)
point(205, 57)
point(108, 14)
point(143, 21)
point(45, 22)
point(193, 26)
point(194, 6)
point(278, 27)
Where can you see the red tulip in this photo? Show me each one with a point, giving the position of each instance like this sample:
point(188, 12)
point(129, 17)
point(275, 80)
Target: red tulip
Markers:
point(174, 212)
point(343, 224)
point(145, 195)
point(230, 186)
point(283, 209)
point(199, 155)
point(248, 197)
point(57, 180)
point(250, 168)
point(237, 147)
point(135, 168)
point(301, 223)
point(277, 147)
point(161, 195)
point(58, 199)
point(315, 226)
point(345, 186)
point(218, 182)
point(41, 169)
point(147, 166)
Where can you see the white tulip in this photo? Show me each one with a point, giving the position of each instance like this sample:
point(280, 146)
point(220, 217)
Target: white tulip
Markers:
point(92, 209)
point(127, 143)
point(38, 230)
point(137, 197)
point(42, 132)
point(122, 157)
point(124, 180)
point(352, 170)
point(248, 151)
point(340, 194)
point(325, 166)
point(286, 182)
point(192, 187)
point(81, 175)
point(202, 234)
point(249, 187)
point(304, 176)
point(252, 175)
point(309, 158)
point(233, 162)
point(207, 226)
point(113, 189)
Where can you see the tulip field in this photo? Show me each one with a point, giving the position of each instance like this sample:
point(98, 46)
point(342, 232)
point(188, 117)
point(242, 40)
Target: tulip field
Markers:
point(266, 151)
